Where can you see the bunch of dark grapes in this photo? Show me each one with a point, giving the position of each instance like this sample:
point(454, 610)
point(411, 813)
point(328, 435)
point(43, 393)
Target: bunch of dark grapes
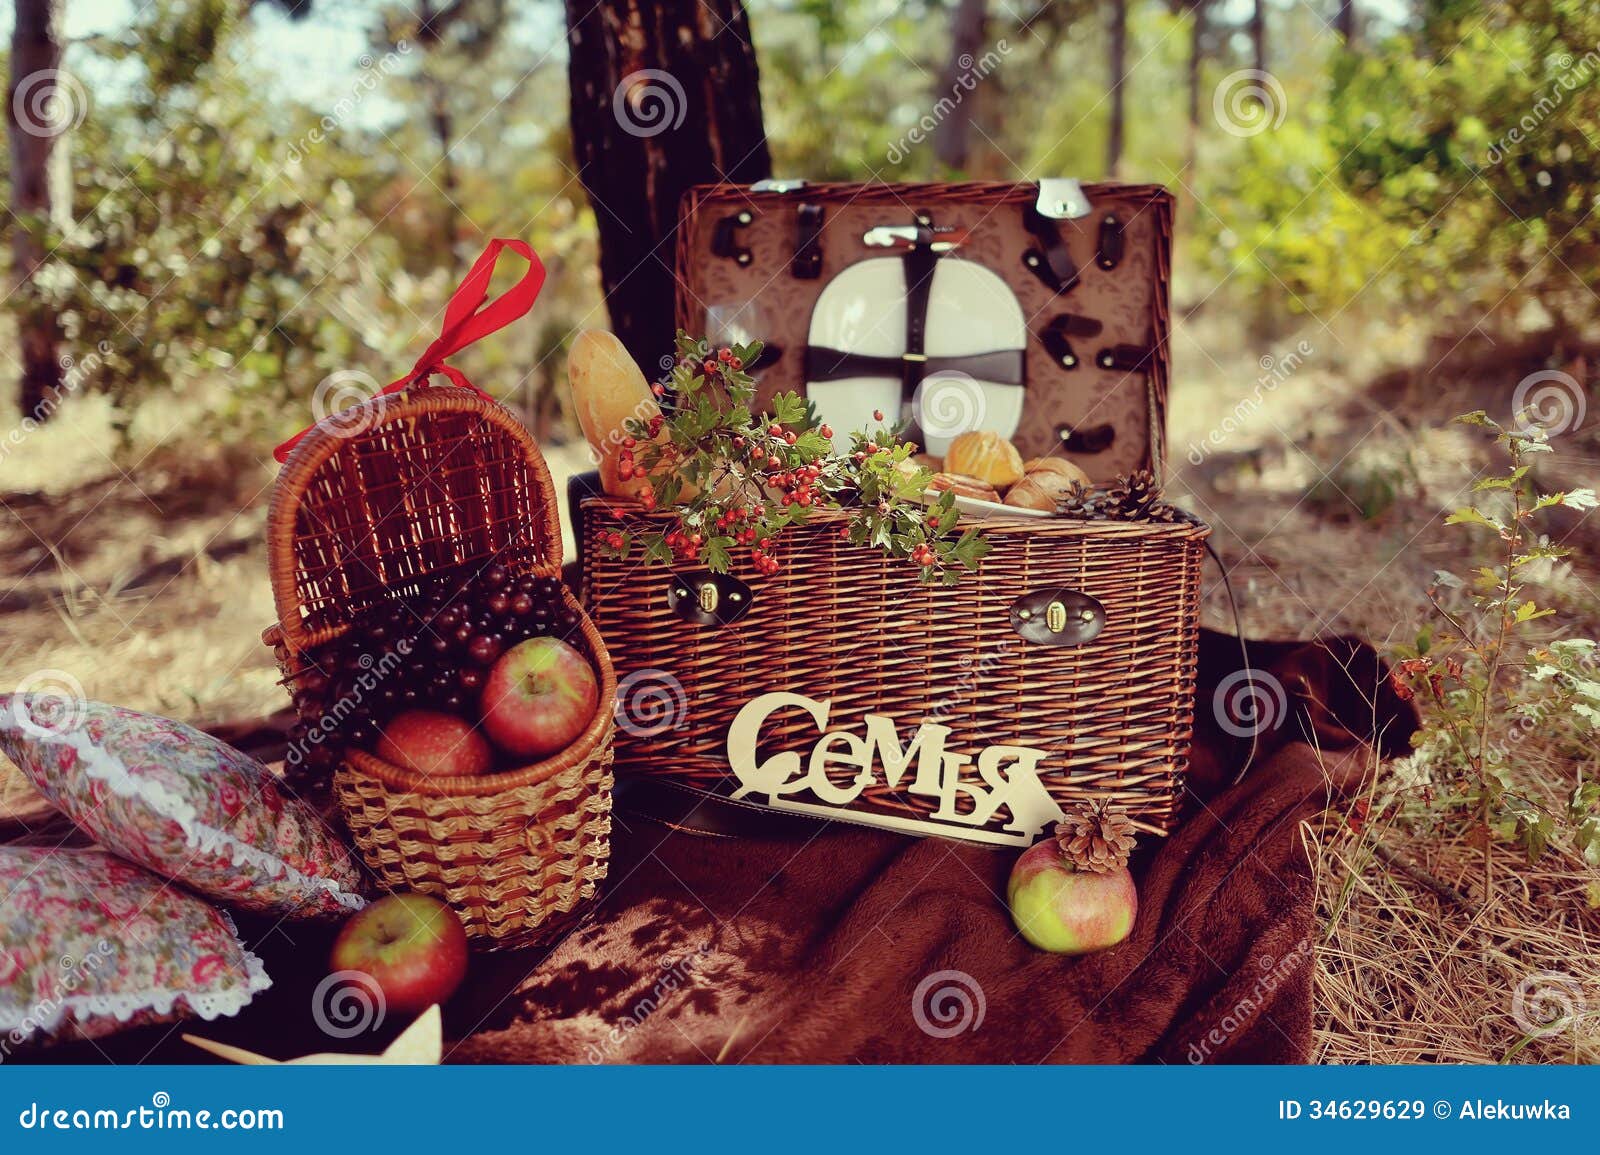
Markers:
point(429, 651)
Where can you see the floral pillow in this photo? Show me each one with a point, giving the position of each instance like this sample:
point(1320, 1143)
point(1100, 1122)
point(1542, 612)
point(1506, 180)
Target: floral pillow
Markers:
point(187, 806)
point(90, 944)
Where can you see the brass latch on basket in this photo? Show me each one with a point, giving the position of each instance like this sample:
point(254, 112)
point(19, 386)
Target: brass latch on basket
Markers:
point(1057, 617)
point(709, 599)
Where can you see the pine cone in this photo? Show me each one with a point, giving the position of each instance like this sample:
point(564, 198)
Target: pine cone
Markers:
point(1079, 500)
point(1134, 497)
point(1097, 837)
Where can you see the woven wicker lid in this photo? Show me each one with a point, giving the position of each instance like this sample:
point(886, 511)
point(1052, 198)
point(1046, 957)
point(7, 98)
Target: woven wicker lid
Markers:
point(384, 494)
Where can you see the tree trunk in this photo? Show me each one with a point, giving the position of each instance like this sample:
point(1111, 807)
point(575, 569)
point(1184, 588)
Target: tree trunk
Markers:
point(1258, 34)
point(664, 95)
point(32, 122)
point(1119, 76)
point(443, 122)
point(1345, 22)
point(1197, 59)
point(952, 141)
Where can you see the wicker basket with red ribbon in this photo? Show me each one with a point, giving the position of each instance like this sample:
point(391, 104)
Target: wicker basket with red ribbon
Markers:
point(372, 504)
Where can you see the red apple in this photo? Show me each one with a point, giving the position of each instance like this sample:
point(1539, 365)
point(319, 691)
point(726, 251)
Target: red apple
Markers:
point(539, 697)
point(436, 744)
point(1067, 911)
point(412, 946)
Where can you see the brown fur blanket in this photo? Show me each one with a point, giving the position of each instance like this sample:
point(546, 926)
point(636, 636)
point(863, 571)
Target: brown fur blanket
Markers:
point(823, 943)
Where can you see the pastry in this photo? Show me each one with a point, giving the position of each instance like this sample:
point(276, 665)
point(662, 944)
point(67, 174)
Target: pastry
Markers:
point(607, 390)
point(1029, 494)
point(1058, 465)
point(987, 456)
point(963, 486)
point(1043, 489)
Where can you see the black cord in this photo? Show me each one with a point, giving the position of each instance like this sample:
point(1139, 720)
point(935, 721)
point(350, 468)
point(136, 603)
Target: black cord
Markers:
point(1244, 656)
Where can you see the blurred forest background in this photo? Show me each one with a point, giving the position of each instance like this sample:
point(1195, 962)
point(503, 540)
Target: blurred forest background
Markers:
point(240, 212)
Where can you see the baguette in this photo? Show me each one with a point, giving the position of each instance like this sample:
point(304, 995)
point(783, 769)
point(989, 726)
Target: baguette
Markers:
point(607, 391)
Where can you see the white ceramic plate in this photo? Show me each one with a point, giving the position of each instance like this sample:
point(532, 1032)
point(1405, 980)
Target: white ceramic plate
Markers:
point(985, 510)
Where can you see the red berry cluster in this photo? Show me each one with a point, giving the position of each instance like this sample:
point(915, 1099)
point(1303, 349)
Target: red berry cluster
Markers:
point(685, 545)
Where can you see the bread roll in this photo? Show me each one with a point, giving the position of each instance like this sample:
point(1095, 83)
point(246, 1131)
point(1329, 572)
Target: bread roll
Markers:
point(987, 456)
point(963, 486)
point(1042, 489)
point(1058, 465)
point(1029, 494)
point(608, 390)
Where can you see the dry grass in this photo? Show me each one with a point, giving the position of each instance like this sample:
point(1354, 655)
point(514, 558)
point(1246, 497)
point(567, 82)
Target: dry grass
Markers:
point(150, 588)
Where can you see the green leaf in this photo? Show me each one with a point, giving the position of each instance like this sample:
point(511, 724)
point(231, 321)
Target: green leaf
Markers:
point(1527, 612)
point(716, 555)
point(1471, 515)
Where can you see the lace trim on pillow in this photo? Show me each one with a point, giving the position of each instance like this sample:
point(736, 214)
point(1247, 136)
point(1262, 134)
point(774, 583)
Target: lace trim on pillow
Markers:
point(100, 764)
point(123, 1005)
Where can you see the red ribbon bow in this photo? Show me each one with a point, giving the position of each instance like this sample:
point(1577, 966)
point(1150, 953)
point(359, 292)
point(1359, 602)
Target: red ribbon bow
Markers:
point(465, 322)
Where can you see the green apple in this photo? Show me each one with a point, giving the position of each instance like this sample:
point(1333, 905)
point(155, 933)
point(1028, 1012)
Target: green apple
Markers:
point(1067, 911)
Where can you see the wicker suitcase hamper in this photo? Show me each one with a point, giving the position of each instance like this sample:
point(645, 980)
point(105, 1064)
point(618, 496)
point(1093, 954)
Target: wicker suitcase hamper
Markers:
point(413, 484)
point(1062, 672)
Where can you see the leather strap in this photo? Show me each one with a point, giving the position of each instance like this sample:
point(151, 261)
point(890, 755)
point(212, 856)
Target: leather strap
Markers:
point(920, 264)
point(824, 364)
point(1050, 261)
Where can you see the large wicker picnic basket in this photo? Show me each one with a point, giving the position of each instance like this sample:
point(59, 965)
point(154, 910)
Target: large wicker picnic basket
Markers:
point(406, 486)
point(1077, 639)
